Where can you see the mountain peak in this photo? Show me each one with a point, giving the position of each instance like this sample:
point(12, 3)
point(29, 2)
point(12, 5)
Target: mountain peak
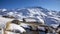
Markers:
point(43, 15)
point(35, 7)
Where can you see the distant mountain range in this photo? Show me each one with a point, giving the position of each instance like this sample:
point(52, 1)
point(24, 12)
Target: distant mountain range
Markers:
point(40, 14)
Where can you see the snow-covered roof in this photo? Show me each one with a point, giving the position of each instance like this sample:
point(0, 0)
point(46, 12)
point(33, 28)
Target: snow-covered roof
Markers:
point(20, 19)
point(54, 25)
point(24, 25)
point(41, 28)
point(30, 20)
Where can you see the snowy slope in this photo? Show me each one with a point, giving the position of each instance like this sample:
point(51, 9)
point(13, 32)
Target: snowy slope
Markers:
point(3, 21)
point(16, 27)
point(40, 14)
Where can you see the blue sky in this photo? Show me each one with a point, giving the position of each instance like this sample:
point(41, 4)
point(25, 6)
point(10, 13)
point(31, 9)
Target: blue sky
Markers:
point(12, 4)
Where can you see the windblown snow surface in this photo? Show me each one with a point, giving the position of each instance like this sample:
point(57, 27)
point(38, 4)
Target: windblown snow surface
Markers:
point(49, 17)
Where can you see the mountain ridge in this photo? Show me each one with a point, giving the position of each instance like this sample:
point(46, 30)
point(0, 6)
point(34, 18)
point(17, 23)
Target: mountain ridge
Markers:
point(42, 14)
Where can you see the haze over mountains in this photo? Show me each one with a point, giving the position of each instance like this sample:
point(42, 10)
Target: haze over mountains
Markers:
point(40, 14)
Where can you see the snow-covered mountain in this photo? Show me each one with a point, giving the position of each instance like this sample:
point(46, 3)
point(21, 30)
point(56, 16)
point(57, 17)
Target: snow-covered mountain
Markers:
point(40, 14)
